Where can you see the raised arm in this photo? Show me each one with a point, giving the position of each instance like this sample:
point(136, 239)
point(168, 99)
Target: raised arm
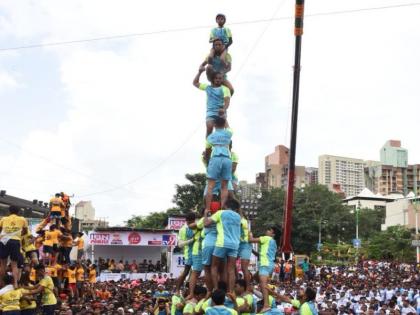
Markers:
point(229, 43)
point(196, 81)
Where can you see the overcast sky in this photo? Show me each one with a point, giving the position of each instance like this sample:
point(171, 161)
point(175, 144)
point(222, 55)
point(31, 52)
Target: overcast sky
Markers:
point(92, 117)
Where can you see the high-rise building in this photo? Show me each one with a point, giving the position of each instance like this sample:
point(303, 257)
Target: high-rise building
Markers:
point(392, 154)
point(345, 171)
point(85, 210)
point(249, 195)
point(393, 174)
point(311, 175)
point(261, 180)
point(274, 166)
point(276, 170)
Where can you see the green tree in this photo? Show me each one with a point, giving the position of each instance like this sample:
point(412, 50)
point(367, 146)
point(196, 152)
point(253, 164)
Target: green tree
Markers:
point(155, 220)
point(313, 205)
point(190, 196)
point(370, 221)
point(394, 243)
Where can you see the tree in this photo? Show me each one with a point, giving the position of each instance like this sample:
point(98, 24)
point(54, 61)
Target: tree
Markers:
point(314, 205)
point(190, 196)
point(155, 220)
point(370, 221)
point(394, 243)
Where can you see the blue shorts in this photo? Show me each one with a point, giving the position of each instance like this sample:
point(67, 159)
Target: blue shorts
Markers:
point(197, 263)
point(207, 254)
point(55, 215)
point(188, 261)
point(211, 116)
point(223, 252)
point(220, 167)
point(265, 270)
point(217, 188)
point(245, 251)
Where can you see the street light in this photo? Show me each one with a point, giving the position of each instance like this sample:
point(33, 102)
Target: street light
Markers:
point(319, 233)
point(357, 219)
point(357, 230)
point(417, 229)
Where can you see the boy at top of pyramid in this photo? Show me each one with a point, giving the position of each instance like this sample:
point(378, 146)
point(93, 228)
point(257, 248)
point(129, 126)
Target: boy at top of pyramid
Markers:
point(223, 33)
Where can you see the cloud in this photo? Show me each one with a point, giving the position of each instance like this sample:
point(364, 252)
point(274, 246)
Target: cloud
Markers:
point(132, 116)
point(7, 81)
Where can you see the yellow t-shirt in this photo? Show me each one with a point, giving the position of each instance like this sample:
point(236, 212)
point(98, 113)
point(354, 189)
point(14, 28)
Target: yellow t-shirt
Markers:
point(12, 225)
point(68, 242)
point(48, 296)
point(51, 271)
point(27, 244)
point(10, 300)
point(56, 204)
point(51, 237)
point(80, 274)
point(71, 275)
point(25, 305)
point(81, 243)
point(92, 276)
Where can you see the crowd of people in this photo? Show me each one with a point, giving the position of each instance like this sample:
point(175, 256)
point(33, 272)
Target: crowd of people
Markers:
point(38, 276)
point(146, 266)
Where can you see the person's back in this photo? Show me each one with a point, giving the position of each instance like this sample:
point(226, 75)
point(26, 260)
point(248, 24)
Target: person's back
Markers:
point(228, 228)
point(219, 140)
point(12, 227)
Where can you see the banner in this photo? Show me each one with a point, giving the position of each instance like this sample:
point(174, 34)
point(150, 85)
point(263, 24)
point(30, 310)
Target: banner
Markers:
point(175, 223)
point(133, 238)
point(103, 277)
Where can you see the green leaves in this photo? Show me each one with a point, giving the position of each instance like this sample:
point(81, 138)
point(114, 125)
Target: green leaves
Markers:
point(187, 197)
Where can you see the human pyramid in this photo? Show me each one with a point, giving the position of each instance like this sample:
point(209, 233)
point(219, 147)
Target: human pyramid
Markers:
point(40, 264)
point(222, 235)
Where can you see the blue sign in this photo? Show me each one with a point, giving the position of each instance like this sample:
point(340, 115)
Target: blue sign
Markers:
point(357, 243)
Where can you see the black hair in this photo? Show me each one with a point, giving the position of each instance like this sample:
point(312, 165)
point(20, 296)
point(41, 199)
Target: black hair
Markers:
point(57, 195)
point(219, 122)
point(241, 283)
point(233, 204)
point(39, 267)
point(80, 233)
point(218, 297)
point(222, 286)
point(200, 290)
point(310, 294)
point(190, 216)
point(7, 279)
point(218, 40)
point(14, 209)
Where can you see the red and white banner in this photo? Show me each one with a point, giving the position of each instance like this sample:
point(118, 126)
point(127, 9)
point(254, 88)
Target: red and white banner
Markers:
point(175, 223)
point(132, 238)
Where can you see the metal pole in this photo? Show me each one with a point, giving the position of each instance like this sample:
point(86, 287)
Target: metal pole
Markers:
point(357, 223)
point(357, 232)
point(319, 236)
point(417, 231)
point(287, 216)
